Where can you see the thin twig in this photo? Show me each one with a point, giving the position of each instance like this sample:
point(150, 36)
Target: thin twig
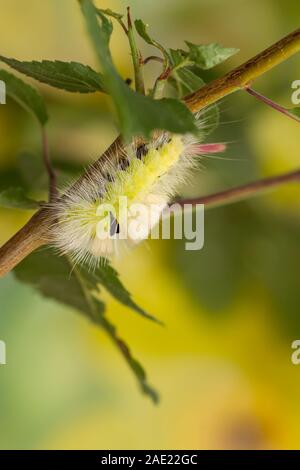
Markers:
point(135, 53)
point(153, 58)
point(49, 167)
point(271, 103)
point(243, 192)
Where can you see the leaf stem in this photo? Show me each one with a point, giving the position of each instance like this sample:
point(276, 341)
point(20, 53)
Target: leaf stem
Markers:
point(48, 165)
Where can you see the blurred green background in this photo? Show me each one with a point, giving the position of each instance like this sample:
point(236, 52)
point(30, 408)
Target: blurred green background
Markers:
point(223, 363)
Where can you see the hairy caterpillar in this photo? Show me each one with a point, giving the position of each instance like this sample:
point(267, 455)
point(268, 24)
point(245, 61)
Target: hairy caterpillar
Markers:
point(146, 173)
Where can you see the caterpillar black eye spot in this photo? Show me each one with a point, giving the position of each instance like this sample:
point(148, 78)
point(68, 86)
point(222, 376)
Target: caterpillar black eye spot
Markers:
point(123, 164)
point(114, 226)
point(108, 177)
point(141, 151)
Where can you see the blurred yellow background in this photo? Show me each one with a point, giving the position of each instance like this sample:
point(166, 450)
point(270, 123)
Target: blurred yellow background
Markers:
point(223, 362)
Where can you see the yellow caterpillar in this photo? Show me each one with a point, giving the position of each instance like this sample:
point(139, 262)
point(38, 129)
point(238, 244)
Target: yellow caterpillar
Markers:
point(147, 174)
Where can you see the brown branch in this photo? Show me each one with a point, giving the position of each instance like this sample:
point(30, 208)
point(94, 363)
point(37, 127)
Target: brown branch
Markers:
point(29, 238)
point(243, 75)
point(35, 232)
point(243, 192)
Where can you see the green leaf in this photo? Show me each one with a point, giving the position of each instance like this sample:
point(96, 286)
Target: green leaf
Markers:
point(189, 80)
point(15, 198)
point(134, 365)
point(183, 77)
point(25, 95)
point(185, 81)
point(57, 278)
point(69, 76)
point(54, 278)
point(107, 26)
point(179, 59)
point(141, 115)
point(138, 114)
point(141, 29)
point(207, 56)
point(108, 277)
